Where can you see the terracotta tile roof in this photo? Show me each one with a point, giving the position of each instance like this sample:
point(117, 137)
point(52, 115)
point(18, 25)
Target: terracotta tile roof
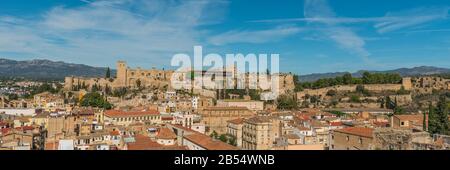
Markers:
point(114, 133)
point(119, 113)
point(236, 121)
point(5, 130)
point(302, 116)
point(167, 118)
point(3, 123)
point(142, 143)
point(259, 119)
point(357, 131)
point(25, 128)
point(208, 143)
point(181, 127)
point(336, 124)
point(165, 133)
point(145, 143)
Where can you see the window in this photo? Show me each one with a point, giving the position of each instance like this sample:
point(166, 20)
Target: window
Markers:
point(348, 138)
point(402, 123)
point(360, 141)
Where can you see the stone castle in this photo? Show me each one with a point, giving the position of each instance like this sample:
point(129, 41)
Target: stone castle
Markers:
point(153, 78)
point(125, 78)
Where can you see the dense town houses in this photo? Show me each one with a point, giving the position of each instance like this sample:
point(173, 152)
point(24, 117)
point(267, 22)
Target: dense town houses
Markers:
point(139, 110)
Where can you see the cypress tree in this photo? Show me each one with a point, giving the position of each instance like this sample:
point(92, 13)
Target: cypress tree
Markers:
point(442, 115)
point(432, 123)
point(108, 73)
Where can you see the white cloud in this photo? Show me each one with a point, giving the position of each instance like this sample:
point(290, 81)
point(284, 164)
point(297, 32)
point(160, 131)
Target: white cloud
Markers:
point(320, 11)
point(406, 19)
point(261, 36)
point(347, 39)
point(101, 31)
point(342, 36)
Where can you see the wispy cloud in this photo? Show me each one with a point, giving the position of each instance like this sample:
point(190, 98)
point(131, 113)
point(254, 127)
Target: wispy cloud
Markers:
point(406, 19)
point(392, 21)
point(141, 30)
point(259, 36)
point(344, 37)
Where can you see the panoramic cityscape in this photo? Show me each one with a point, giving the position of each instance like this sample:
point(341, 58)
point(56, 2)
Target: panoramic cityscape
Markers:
point(106, 75)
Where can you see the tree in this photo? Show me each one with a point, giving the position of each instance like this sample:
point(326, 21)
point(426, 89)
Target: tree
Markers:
point(120, 92)
point(223, 138)
point(214, 135)
point(95, 100)
point(442, 112)
point(424, 122)
point(366, 78)
point(232, 141)
point(13, 96)
point(438, 117)
point(337, 113)
point(138, 83)
point(432, 119)
point(107, 90)
point(355, 99)
point(347, 78)
point(108, 73)
point(286, 103)
point(389, 103)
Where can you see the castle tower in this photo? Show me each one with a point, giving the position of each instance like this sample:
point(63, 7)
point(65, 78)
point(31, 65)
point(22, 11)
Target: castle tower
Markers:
point(121, 73)
point(68, 83)
point(406, 82)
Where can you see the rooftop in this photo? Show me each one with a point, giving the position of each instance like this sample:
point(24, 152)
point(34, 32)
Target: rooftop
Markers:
point(357, 131)
point(363, 110)
point(166, 133)
point(224, 108)
point(259, 119)
point(208, 143)
point(236, 121)
point(120, 113)
point(145, 143)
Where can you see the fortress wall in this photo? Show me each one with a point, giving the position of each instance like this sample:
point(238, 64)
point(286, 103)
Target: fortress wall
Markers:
point(383, 87)
point(349, 88)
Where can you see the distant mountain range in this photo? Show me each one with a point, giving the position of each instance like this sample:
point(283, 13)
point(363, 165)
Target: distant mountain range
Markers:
point(404, 72)
point(46, 69)
point(57, 70)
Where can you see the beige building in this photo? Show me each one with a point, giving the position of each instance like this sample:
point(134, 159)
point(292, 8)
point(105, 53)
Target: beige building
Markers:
point(250, 104)
point(260, 133)
point(48, 101)
point(215, 118)
point(408, 121)
point(353, 138)
point(234, 128)
point(125, 118)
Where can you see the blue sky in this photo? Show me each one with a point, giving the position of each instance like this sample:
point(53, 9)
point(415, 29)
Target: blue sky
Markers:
point(311, 36)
